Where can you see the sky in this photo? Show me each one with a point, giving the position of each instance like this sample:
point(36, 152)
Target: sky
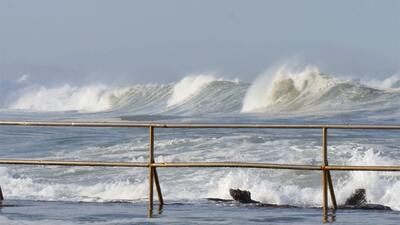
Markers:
point(162, 41)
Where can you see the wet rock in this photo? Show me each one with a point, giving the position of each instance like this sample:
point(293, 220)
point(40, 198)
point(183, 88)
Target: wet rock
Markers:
point(358, 200)
point(358, 197)
point(241, 196)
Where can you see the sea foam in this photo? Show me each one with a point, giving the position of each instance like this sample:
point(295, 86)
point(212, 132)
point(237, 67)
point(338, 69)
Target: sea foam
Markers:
point(67, 98)
point(288, 89)
point(189, 86)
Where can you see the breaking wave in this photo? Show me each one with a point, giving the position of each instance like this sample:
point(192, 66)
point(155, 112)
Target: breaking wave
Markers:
point(67, 98)
point(284, 89)
point(188, 87)
point(391, 82)
point(288, 89)
point(194, 94)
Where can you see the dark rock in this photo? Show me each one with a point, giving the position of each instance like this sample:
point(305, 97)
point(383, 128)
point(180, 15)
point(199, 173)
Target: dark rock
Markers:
point(241, 196)
point(219, 200)
point(359, 197)
point(366, 207)
point(358, 200)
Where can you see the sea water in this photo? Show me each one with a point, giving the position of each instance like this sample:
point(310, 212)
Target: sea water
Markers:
point(76, 195)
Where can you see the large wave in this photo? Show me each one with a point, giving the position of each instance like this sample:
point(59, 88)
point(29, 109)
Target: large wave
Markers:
point(281, 90)
point(194, 94)
point(308, 88)
point(67, 98)
point(188, 87)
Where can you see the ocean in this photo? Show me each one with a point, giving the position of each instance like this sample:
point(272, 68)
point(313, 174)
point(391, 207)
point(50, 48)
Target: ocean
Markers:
point(76, 195)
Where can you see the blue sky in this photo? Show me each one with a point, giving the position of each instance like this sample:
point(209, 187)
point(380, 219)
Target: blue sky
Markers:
point(161, 41)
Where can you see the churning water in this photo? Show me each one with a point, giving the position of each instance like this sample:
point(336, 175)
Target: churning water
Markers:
point(45, 195)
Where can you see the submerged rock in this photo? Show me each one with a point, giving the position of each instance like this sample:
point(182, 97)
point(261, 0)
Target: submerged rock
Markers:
point(357, 200)
point(241, 196)
point(359, 197)
point(244, 197)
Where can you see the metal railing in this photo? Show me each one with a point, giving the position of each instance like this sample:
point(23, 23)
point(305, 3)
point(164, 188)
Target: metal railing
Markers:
point(152, 166)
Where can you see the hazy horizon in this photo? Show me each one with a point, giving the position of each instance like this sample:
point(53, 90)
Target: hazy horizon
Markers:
point(162, 41)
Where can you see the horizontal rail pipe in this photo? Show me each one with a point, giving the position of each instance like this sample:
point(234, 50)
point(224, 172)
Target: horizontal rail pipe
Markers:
point(363, 168)
point(188, 125)
point(237, 165)
point(198, 165)
point(71, 163)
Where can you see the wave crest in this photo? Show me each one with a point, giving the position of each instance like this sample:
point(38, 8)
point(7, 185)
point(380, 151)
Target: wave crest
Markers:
point(67, 98)
point(281, 90)
point(295, 90)
point(285, 86)
point(189, 86)
point(392, 82)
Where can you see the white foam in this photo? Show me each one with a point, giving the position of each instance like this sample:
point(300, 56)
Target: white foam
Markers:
point(284, 85)
point(270, 186)
point(382, 187)
point(308, 90)
point(189, 86)
point(91, 98)
point(389, 82)
point(284, 187)
point(27, 188)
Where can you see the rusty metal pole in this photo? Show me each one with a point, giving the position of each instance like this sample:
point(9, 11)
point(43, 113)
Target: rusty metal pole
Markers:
point(331, 190)
point(158, 187)
point(328, 173)
point(151, 171)
point(324, 175)
point(157, 182)
point(324, 197)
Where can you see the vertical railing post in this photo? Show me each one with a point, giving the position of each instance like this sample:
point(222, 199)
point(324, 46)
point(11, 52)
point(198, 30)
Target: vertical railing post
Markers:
point(331, 190)
point(153, 176)
point(324, 174)
point(328, 173)
point(158, 187)
point(151, 170)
